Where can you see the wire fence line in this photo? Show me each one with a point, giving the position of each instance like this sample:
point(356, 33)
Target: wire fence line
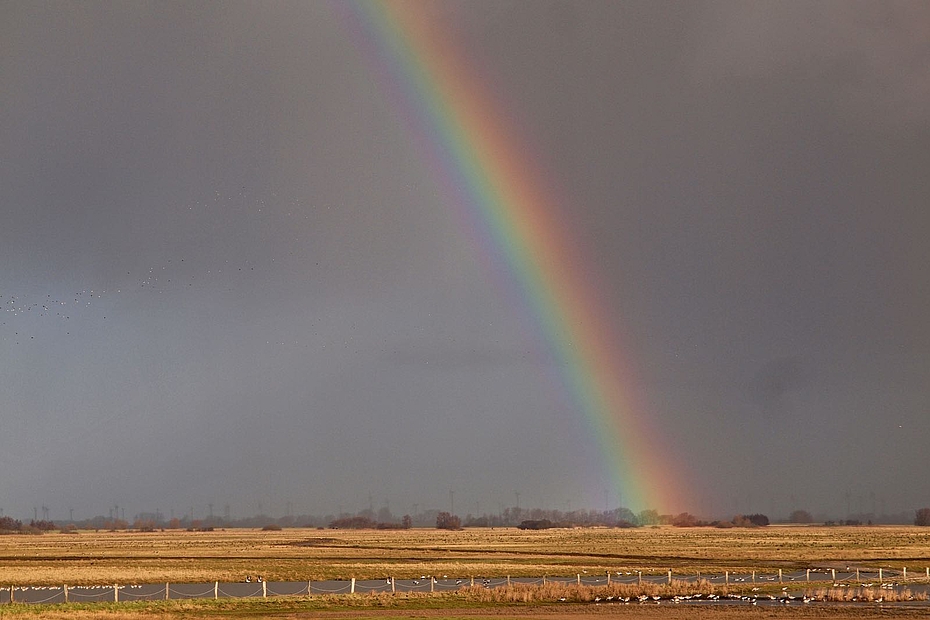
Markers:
point(880, 577)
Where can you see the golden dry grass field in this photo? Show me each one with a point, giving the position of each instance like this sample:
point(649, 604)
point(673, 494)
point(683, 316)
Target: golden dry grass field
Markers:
point(90, 557)
point(308, 554)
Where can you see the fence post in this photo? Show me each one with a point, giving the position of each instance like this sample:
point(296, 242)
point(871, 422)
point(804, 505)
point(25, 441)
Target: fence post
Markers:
point(216, 590)
point(879, 575)
point(779, 576)
point(167, 585)
point(310, 587)
point(65, 589)
point(670, 575)
point(473, 581)
point(265, 587)
point(753, 577)
point(578, 578)
point(640, 577)
point(393, 587)
point(833, 574)
point(352, 586)
point(116, 593)
point(508, 581)
point(11, 595)
point(608, 577)
point(808, 574)
point(726, 577)
point(544, 580)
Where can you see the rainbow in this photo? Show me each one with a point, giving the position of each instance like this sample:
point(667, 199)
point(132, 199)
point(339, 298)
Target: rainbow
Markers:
point(478, 158)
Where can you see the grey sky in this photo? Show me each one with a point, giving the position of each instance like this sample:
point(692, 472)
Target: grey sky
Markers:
point(269, 298)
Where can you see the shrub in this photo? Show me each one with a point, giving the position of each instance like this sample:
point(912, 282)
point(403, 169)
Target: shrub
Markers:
point(922, 517)
point(43, 526)
point(9, 524)
point(540, 524)
point(801, 516)
point(387, 525)
point(353, 523)
point(446, 521)
point(685, 519)
point(271, 527)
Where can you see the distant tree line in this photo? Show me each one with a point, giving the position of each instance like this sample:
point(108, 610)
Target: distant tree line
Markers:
point(535, 518)
point(688, 520)
point(9, 525)
point(359, 522)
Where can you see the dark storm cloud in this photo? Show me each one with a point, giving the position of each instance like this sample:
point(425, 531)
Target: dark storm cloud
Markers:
point(228, 274)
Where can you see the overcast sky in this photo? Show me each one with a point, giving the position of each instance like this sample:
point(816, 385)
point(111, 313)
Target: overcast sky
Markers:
point(228, 276)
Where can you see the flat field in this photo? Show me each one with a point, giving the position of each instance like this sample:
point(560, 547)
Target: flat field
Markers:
point(87, 557)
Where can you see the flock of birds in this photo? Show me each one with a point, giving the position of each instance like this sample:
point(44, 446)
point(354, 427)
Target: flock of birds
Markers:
point(79, 587)
point(677, 599)
point(784, 598)
point(30, 316)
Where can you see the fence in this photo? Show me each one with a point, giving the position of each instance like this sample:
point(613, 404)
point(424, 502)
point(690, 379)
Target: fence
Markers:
point(262, 589)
